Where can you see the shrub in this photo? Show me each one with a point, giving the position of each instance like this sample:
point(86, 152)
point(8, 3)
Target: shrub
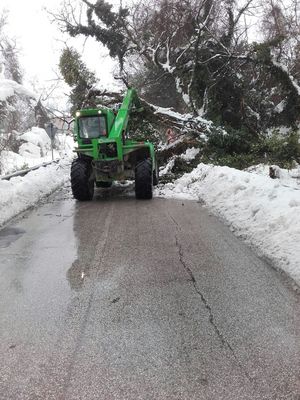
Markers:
point(278, 149)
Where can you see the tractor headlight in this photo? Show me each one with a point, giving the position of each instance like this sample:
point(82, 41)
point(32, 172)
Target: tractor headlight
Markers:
point(77, 113)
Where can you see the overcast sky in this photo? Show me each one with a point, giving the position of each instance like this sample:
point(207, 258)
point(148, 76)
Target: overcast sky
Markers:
point(40, 41)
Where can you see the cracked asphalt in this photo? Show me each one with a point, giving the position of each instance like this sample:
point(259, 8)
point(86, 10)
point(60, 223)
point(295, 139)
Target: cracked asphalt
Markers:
point(125, 299)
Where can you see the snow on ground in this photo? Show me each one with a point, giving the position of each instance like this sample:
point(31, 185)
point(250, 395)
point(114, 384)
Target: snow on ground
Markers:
point(286, 177)
point(20, 193)
point(34, 150)
point(263, 211)
point(37, 137)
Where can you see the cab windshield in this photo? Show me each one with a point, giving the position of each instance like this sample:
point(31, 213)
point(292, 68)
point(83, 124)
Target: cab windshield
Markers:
point(92, 127)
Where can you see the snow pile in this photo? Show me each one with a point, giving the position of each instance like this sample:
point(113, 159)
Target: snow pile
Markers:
point(290, 178)
point(19, 193)
point(30, 150)
point(37, 137)
point(9, 88)
point(65, 145)
point(35, 149)
point(260, 209)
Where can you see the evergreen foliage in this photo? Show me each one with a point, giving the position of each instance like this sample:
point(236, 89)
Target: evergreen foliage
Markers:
point(77, 76)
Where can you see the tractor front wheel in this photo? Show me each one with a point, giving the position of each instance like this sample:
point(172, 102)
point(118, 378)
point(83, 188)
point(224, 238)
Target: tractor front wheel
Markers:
point(82, 182)
point(143, 180)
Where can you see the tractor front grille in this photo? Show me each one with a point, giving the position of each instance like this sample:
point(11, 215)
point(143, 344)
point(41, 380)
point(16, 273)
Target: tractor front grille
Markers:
point(108, 149)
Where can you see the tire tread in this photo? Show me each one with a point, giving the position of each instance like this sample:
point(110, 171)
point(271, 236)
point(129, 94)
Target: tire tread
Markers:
point(80, 174)
point(144, 180)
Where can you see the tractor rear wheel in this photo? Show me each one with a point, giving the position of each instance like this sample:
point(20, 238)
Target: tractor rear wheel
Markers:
point(82, 182)
point(143, 180)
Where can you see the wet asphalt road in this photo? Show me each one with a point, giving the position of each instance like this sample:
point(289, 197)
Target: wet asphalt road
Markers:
point(126, 299)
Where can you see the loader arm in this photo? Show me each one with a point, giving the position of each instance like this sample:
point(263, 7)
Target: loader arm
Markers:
point(119, 127)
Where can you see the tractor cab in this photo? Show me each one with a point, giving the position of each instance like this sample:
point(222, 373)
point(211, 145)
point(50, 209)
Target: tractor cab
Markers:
point(93, 124)
point(92, 127)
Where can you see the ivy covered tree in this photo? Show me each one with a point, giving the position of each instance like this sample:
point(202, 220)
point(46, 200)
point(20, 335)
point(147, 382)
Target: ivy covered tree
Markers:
point(78, 77)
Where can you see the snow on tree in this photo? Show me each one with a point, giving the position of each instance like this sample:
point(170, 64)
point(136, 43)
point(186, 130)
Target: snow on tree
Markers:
point(196, 57)
point(199, 53)
point(18, 105)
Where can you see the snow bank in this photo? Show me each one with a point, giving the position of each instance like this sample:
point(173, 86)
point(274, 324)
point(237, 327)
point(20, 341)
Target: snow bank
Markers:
point(38, 137)
point(20, 193)
point(35, 150)
point(261, 210)
point(30, 150)
point(290, 178)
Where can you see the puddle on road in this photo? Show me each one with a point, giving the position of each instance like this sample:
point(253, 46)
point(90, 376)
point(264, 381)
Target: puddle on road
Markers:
point(9, 235)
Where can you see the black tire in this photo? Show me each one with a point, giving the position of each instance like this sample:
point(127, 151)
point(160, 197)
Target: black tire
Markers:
point(143, 180)
point(156, 174)
point(104, 184)
point(82, 183)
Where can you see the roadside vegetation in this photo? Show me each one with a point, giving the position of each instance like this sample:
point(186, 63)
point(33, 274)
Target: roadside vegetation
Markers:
point(200, 58)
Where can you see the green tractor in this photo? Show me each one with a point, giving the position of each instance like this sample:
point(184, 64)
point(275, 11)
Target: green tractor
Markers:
point(105, 154)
